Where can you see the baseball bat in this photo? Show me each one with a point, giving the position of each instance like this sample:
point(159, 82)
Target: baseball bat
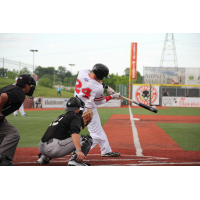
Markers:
point(139, 104)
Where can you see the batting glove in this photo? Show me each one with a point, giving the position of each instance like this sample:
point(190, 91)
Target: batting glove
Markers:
point(116, 95)
point(110, 90)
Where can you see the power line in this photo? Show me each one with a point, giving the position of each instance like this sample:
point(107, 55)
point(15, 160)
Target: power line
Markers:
point(94, 49)
point(182, 43)
point(15, 63)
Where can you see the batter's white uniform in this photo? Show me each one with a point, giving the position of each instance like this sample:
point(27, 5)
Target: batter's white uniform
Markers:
point(91, 93)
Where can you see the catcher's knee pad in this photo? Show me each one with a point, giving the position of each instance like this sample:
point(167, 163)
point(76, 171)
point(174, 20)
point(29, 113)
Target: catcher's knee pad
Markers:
point(87, 143)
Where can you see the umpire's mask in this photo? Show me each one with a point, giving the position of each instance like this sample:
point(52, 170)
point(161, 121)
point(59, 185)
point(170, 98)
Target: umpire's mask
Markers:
point(26, 79)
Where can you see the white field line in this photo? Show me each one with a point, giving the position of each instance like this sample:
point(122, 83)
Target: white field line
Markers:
point(147, 157)
point(137, 158)
point(171, 163)
point(148, 164)
point(135, 135)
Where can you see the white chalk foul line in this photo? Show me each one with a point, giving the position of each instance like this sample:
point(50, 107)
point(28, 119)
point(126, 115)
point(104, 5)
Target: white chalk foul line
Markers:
point(122, 155)
point(135, 135)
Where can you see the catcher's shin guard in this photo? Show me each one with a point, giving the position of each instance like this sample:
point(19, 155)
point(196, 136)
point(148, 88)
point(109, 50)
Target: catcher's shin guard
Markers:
point(86, 145)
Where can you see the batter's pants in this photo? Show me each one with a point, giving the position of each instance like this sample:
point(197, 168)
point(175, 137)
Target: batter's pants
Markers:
point(9, 138)
point(97, 133)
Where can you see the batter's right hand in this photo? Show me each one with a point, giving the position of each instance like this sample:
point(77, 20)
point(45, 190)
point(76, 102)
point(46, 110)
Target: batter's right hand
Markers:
point(80, 156)
point(110, 90)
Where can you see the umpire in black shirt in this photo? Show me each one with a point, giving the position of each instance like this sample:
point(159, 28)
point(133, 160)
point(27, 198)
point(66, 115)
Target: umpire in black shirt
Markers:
point(11, 98)
point(62, 136)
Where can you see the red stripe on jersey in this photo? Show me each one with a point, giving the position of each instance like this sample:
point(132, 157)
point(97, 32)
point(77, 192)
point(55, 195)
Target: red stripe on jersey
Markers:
point(99, 99)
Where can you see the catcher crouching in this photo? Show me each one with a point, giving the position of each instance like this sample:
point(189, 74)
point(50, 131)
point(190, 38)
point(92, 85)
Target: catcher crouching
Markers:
point(62, 136)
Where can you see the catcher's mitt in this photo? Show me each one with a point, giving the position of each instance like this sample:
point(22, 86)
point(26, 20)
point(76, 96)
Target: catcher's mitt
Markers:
point(87, 117)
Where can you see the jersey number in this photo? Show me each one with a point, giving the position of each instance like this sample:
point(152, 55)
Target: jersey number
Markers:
point(55, 122)
point(86, 91)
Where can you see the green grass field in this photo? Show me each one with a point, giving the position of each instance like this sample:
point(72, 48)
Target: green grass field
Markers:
point(187, 136)
point(32, 128)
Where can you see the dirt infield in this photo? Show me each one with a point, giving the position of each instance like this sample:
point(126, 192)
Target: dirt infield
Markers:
point(158, 149)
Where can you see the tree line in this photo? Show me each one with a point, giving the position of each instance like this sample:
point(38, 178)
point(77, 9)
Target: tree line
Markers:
point(49, 76)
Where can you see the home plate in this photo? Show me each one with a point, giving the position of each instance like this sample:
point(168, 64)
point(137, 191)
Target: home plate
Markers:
point(136, 119)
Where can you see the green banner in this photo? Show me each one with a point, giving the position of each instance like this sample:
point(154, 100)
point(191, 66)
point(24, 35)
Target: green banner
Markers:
point(123, 89)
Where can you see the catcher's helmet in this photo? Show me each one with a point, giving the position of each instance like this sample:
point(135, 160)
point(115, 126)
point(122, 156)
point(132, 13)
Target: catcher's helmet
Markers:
point(73, 104)
point(100, 71)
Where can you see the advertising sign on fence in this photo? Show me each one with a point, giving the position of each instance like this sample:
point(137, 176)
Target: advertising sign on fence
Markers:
point(172, 75)
point(181, 101)
point(141, 94)
point(164, 75)
point(53, 102)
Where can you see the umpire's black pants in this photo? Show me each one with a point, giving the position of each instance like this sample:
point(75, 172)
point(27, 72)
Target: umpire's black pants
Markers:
point(9, 138)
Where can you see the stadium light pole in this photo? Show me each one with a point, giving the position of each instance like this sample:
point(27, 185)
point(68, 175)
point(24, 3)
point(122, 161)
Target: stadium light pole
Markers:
point(33, 57)
point(71, 72)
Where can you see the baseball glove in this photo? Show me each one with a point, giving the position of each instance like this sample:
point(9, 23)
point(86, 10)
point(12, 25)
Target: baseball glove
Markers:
point(87, 117)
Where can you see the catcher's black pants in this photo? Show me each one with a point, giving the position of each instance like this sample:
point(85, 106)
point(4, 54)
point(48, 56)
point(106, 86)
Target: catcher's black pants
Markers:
point(9, 138)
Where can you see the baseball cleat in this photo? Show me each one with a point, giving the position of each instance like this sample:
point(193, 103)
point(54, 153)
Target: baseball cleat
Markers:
point(41, 161)
point(111, 154)
point(75, 163)
point(25, 115)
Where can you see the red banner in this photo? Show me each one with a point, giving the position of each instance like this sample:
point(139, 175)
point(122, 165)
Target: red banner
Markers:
point(133, 65)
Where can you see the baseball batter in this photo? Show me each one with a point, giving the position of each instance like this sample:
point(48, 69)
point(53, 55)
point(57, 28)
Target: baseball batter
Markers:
point(90, 90)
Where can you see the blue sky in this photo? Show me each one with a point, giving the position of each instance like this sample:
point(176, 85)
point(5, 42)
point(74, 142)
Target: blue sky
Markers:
point(86, 49)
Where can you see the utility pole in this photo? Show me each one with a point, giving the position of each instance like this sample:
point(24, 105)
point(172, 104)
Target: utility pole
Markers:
point(3, 67)
point(54, 77)
point(33, 57)
point(169, 57)
point(71, 72)
point(19, 66)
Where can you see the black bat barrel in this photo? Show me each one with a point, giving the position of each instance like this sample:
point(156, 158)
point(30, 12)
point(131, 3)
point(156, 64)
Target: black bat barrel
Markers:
point(148, 107)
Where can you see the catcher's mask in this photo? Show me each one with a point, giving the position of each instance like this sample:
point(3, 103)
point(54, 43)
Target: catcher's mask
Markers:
point(73, 104)
point(26, 79)
point(100, 71)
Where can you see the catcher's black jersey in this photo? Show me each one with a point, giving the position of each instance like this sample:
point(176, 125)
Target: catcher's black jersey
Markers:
point(60, 128)
point(16, 97)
